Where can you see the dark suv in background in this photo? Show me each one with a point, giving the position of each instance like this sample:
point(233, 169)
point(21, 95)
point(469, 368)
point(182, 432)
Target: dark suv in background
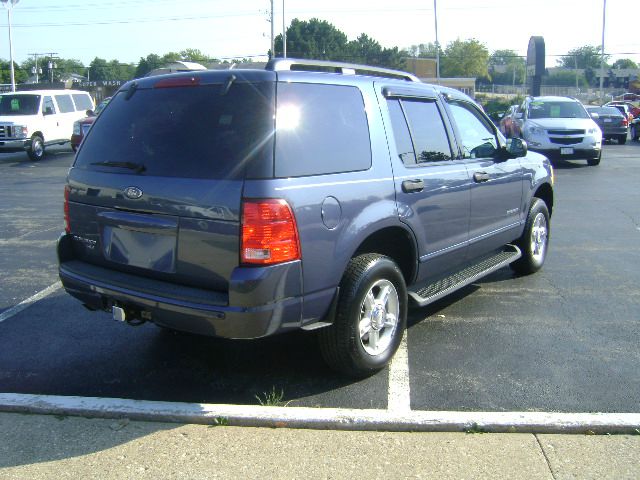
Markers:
point(310, 195)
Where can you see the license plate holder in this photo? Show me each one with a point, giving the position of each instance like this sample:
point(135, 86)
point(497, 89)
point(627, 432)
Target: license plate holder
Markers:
point(566, 151)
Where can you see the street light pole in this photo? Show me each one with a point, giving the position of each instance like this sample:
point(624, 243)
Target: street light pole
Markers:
point(273, 45)
point(435, 16)
point(284, 34)
point(604, 13)
point(9, 5)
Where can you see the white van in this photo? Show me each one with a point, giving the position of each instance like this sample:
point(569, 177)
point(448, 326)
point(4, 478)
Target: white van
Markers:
point(31, 120)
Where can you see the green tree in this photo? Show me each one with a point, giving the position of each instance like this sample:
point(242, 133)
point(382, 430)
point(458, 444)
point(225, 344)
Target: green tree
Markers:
point(316, 39)
point(468, 58)
point(583, 57)
point(566, 78)
point(21, 73)
point(506, 67)
point(194, 55)
point(624, 63)
point(148, 63)
point(424, 50)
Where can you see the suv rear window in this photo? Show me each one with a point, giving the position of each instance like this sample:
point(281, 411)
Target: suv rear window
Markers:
point(311, 120)
point(209, 131)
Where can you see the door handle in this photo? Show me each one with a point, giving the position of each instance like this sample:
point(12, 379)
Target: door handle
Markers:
point(412, 186)
point(480, 177)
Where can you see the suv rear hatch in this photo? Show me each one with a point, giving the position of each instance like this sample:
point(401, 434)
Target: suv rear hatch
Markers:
point(156, 187)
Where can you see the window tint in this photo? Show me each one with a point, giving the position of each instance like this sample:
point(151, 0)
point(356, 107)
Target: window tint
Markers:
point(19, 104)
point(320, 129)
point(196, 132)
point(476, 134)
point(82, 101)
point(48, 107)
point(65, 103)
point(427, 130)
point(404, 146)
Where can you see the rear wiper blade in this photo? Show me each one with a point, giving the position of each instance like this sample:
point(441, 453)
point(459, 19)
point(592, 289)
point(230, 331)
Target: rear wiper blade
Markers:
point(136, 167)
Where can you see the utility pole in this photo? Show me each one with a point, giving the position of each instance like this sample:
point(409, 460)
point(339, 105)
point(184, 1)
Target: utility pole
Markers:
point(604, 13)
point(273, 45)
point(435, 16)
point(284, 34)
point(9, 6)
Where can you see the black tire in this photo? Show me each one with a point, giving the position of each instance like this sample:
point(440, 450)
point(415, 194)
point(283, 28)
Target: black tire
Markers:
point(594, 161)
point(36, 149)
point(534, 241)
point(622, 139)
point(349, 346)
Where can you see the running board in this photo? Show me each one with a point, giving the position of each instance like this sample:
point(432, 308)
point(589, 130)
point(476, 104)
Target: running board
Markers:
point(426, 294)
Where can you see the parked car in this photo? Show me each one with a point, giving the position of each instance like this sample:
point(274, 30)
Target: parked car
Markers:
point(32, 120)
point(245, 203)
point(82, 126)
point(624, 107)
point(507, 120)
point(612, 122)
point(559, 127)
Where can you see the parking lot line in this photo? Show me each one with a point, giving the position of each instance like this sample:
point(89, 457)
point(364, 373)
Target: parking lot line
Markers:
point(399, 395)
point(32, 299)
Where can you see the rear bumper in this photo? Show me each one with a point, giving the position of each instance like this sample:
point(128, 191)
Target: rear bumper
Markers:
point(260, 301)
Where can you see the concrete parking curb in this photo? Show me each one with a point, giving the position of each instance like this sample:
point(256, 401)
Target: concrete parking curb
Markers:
point(322, 418)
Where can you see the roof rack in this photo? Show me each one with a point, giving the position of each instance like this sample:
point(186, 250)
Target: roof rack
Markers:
point(306, 65)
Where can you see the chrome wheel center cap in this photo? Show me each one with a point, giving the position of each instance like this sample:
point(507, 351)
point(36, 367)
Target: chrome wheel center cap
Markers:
point(377, 318)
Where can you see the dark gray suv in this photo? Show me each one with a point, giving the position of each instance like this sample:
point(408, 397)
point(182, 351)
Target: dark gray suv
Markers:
point(309, 195)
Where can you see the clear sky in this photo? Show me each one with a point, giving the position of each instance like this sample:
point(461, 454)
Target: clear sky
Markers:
point(127, 30)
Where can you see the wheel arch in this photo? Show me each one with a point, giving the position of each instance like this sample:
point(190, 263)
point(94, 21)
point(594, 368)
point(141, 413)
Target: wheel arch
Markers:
point(397, 243)
point(545, 192)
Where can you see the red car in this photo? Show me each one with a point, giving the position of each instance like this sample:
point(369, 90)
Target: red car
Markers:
point(81, 126)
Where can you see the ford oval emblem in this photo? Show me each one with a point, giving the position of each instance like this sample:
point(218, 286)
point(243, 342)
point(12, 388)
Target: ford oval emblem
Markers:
point(133, 193)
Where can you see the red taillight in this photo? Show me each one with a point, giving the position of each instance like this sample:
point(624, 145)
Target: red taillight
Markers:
point(269, 232)
point(67, 224)
point(625, 122)
point(172, 82)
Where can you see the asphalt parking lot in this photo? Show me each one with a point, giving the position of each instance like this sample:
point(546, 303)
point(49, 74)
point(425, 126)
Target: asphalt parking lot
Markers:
point(565, 339)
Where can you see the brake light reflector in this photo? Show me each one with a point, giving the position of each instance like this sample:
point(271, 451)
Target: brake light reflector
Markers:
point(172, 82)
point(67, 223)
point(269, 232)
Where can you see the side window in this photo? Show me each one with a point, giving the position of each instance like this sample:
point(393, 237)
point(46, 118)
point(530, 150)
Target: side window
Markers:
point(65, 103)
point(427, 129)
point(419, 131)
point(320, 129)
point(477, 136)
point(48, 108)
point(82, 101)
point(404, 145)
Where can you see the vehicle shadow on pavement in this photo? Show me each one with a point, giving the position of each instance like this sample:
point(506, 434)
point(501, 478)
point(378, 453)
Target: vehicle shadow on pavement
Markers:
point(56, 347)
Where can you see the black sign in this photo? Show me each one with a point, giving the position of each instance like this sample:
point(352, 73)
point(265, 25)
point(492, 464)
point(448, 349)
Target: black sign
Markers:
point(535, 64)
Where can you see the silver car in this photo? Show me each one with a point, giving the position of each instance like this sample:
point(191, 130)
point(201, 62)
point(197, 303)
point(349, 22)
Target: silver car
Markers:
point(559, 127)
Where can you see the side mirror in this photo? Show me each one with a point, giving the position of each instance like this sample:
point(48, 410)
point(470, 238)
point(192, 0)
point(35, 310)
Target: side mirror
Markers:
point(594, 115)
point(516, 147)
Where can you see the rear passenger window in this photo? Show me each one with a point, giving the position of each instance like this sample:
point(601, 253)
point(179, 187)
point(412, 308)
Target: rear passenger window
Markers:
point(320, 129)
point(65, 103)
point(419, 131)
point(83, 102)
